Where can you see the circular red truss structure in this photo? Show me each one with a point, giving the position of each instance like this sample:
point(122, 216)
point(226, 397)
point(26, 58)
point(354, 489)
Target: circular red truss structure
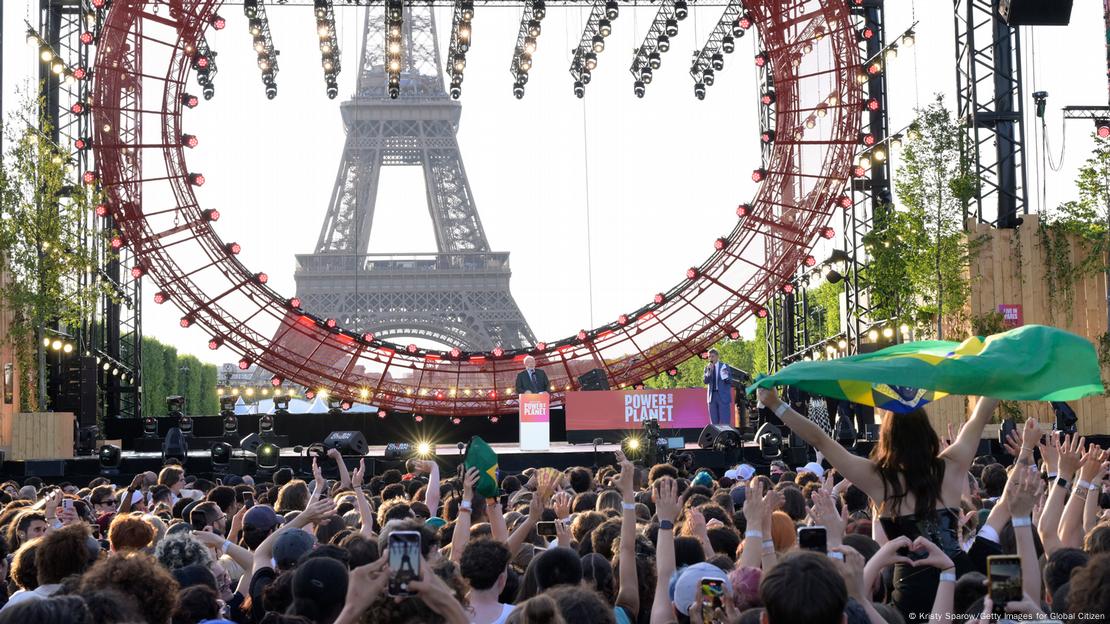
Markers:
point(813, 58)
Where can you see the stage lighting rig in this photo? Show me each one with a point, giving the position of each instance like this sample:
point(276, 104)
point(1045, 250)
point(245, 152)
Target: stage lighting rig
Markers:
point(527, 38)
point(329, 45)
point(204, 63)
point(394, 31)
point(460, 44)
point(722, 40)
point(657, 41)
point(591, 44)
point(259, 26)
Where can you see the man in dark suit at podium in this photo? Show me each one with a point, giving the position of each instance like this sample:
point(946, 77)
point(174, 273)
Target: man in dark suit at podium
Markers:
point(531, 380)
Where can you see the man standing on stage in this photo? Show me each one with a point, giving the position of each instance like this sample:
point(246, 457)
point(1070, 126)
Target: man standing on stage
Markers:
point(719, 387)
point(530, 380)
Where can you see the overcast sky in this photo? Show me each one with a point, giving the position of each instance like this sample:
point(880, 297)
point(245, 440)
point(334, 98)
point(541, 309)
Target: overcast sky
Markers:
point(664, 173)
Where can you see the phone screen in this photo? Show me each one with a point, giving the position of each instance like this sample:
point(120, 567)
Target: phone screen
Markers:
point(813, 538)
point(1004, 579)
point(404, 561)
point(248, 500)
point(546, 529)
point(712, 597)
point(198, 520)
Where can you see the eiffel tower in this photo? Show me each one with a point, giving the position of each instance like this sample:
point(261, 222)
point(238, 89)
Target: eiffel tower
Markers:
point(458, 296)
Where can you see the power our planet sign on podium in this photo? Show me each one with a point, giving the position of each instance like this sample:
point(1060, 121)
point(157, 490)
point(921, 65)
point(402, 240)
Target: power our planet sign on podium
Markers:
point(535, 422)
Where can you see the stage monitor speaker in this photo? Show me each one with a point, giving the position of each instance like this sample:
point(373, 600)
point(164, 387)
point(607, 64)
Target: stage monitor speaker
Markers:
point(593, 380)
point(175, 445)
point(715, 436)
point(348, 442)
point(251, 443)
point(1035, 12)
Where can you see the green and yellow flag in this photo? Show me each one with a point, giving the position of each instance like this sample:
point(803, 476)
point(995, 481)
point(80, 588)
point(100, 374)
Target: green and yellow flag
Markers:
point(1030, 363)
point(480, 455)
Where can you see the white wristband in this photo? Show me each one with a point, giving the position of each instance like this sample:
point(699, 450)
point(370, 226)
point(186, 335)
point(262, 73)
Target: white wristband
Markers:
point(758, 534)
point(466, 505)
point(836, 555)
point(1084, 484)
point(947, 577)
point(768, 544)
point(780, 409)
point(1024, 521)
point(1052, 475)
point(629, 506)
point(225, 546)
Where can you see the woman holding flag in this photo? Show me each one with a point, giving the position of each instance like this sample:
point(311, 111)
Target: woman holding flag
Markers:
point(915, 485)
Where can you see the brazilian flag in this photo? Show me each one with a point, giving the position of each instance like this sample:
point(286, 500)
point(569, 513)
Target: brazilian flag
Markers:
point(1030, 363)
point(480, 455)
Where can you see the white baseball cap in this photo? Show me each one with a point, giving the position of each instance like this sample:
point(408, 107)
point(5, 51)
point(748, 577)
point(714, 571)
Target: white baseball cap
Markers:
point(813, 467)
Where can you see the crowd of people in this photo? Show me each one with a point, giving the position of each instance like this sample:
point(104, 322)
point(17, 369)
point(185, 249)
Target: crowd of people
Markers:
point(922, 529)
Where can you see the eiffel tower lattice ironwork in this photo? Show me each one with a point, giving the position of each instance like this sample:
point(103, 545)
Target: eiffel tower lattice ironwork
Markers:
point(458, 296)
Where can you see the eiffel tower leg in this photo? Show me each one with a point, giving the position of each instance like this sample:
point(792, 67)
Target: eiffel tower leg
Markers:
point(350, 214)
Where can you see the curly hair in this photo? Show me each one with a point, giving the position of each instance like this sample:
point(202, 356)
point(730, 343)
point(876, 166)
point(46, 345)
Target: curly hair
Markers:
point(1088, 587)
point(1097, 539)
point(129, 533)
point(180, 550)
point(137, 575)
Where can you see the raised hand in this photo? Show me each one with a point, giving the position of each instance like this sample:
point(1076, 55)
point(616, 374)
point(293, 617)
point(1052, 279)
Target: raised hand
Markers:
point(824, 513)
point(1012, 443)
point(365, 585)
point(753, 504)
point(469, 481)
point(768, 397)
point(535, 509)
point(1022, 491)
point(666, 499)
point(696, 520)
point(1092, 462)
point(854, 564)
point(335, 454)
point(1071, 455)
point(317, 509)
point(1050, 452)
point(562, 533)
point(888, 555)
point(317, 475)
point(357, 475)
point(562, 503)
point(936, 557)
point(625, 481)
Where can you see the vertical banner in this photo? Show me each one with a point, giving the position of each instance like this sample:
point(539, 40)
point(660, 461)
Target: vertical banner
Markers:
point(535, 422)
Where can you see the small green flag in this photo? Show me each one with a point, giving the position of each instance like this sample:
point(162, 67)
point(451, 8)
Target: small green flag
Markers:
point(480, 455)
point(1030, 363)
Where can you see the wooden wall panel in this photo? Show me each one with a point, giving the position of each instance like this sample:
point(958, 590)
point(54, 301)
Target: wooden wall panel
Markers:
point(1009, 267)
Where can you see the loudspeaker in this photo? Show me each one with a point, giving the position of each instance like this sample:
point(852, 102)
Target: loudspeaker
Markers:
point(1035, 12)
point(726, 435)
point(175, 444)
point(348, 442)
point(251, 443)
point(593, 380)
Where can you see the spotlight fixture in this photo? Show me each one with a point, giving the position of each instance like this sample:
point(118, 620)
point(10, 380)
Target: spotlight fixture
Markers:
point(329, 45)
point(267, 456)
point(110, 457)
point(657, 41)
point(585, 55)
point(150, 427)
point(258, 24)
point(769, 440)
point(185, 425)
point(175, 405)
point(266, 421)
point(394, 28)
point(1102, 128)
point(231, 424)
point(460, 44)
point(220, 453)
point(281, 408)
point(204, 64)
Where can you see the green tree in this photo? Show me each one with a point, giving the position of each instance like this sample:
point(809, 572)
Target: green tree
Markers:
point(1087, 215)
point(172, 377)
point(43, 243)
point(209, 402)
point(918, 251)
point(154, 370)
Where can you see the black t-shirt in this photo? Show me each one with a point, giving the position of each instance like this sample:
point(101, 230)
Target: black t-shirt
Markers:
point(259, 582)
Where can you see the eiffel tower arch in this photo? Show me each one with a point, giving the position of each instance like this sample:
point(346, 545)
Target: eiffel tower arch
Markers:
point(457, 296)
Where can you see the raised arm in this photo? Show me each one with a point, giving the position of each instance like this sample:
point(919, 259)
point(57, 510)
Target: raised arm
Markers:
point(316, 509)
point(1049, 521)
point(431, 493)
point(461, 535)
point(535, 512)
point(754, 500)
point(1091, 508)
point(628, 595)
point(365, 514)
point(666, 509)
point(1072, 457)
point(125, 500)
point(344, 476)
point(962, 451)
point(319, 485)
point(1022, 490)
point(1071, 525)
point(856, 469)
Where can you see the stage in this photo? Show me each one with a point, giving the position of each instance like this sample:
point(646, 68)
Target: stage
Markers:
point(512, 460)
